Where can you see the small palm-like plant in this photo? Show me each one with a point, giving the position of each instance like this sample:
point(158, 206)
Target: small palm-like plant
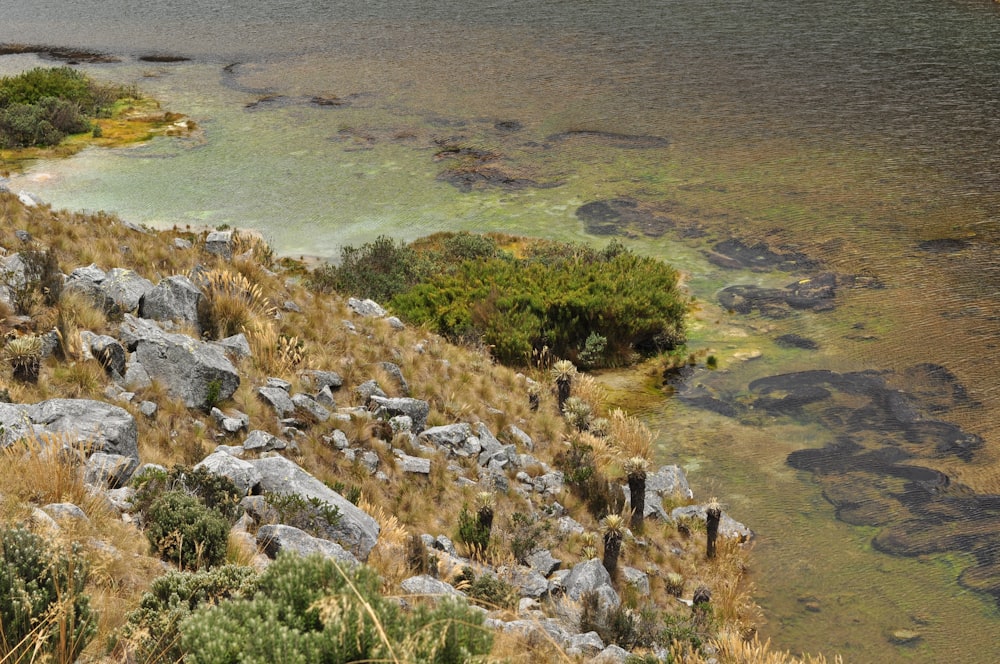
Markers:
point(578, 413)
point(24, 355)
point(635, 469)
point(563, 372)
point(713, 514)
point(614, 533)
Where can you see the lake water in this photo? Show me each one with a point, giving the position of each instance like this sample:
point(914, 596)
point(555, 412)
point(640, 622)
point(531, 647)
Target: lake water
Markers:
point(849, 147)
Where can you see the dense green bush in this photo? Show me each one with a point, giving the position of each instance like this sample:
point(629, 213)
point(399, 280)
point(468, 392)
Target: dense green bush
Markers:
point(489, 592)
point(569, 299)
point(43, 608)
point(310, 610)
point(378, 270)
point(214, 491)
point(599, 307)
point(314, 516)
point(41, 106)
point(152, 631)
point(185, 532)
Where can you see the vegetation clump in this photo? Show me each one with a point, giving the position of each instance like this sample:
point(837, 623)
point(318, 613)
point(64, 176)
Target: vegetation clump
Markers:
point(44, 608)
point(606, 307)
point(42, 106)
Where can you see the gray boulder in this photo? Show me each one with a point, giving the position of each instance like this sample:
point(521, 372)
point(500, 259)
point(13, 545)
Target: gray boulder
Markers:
point(728, 527)
point(455, 438)
point(124, 289)
point(173, 299)
point(278, 400)
point(543, 562)
point(262, 441)
point(613, 654)
point(236, 346)
point(97, 425)
point(667, 482)
point(528, 582)
point(366, 308)
point(316, 380)
point(637, 579)
point(588, 644)
point(220, 243)
point(194, 371)
point(519, 437)
point(306, 405)
point(356, 531)
point(429, 586)
point(109, 471)
point(416, 409)
point(105, 350)
point(274, 539)
point(239, 472)
point(590, 576)
point(65, 512)
point(412, 464)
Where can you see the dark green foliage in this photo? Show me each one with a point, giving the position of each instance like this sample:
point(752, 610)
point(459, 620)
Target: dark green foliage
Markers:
point(527, 535)
point(152, 631)
point(557, 297)
point(487, 591)
point(42, 603)
point(214, 491)
point(378, 269)
point(472, 532)
point(309, 610)
point(41, 106)
point(185, 532)
point(314, 516)
point(598, 307)
point(587, 482)
point(624, 627)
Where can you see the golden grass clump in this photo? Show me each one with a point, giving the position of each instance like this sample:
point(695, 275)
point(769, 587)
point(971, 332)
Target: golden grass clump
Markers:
point(231, 304)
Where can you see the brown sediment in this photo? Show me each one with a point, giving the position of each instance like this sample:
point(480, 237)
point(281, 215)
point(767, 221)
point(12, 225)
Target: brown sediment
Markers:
point(68, 55)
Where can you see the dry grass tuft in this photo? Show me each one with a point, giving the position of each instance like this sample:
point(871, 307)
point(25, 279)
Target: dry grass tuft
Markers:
point(231, 303)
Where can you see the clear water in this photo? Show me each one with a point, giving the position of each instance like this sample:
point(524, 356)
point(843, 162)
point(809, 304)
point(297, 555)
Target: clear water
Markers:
point(853, 132)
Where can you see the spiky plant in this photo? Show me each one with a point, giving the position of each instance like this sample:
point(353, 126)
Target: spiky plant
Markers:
point(24, 355)
point(713, 514)
point(614, 532)
point(577, 412)
point(563, 372)
point(635, 469)
point(631, 436)
point(485, 503)
point(674, 584)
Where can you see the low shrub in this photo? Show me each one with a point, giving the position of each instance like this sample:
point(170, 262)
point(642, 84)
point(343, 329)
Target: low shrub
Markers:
point(183, 531)
point(213, 491)
point(43, 608)
point(310, 610)
point(152, 631)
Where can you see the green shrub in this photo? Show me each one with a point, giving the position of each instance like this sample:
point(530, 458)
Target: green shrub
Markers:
point(558, 296)
point(310, 610)
point(587, 482)
point(487, 591)
point(214, 491)
point(378, 269)
point(185, 532)
point(152, 631)
point(43, 608)
point(314, 516)
point(41, 106)
point(472, 532)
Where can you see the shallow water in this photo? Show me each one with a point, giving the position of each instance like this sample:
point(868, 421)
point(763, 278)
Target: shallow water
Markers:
point(861, 136)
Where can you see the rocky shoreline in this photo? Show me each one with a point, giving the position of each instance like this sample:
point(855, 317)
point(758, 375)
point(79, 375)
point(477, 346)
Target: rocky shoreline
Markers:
point(258, 429)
